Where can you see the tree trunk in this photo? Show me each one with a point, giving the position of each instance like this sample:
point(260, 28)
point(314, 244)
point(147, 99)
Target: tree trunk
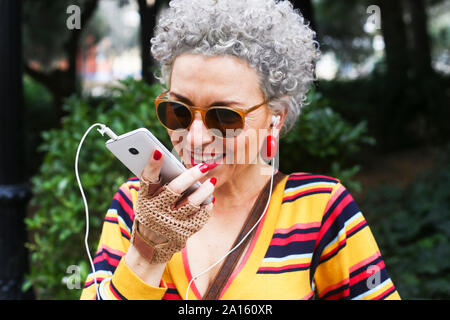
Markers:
point(148, 16)
point(421, 51)
point(60, 83)
point(394, 33)
point(14, 191)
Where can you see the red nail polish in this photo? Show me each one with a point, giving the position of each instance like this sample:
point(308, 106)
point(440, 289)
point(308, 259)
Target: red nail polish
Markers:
point(214, 200)
point(157, 155)
point(213, 180)
point(203, 168)
point(212, 165)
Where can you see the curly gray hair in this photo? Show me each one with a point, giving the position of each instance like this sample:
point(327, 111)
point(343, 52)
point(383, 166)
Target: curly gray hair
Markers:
point(269, 34)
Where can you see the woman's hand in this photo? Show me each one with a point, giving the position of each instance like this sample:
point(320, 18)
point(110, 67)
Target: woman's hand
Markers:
point(164, 217)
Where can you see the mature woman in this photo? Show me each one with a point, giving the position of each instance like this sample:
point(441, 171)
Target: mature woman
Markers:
point(233, 68)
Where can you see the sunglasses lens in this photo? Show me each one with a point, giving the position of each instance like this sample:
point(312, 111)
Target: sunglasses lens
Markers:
point(224, 120)
point(174, 115)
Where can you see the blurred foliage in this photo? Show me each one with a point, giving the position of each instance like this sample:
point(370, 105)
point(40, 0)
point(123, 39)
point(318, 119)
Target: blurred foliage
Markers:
point(350, 43)
point(38, 117)
point(398, 115)
point(57, 225)
point(412, 228)
point(323, 142)
point(45, 32)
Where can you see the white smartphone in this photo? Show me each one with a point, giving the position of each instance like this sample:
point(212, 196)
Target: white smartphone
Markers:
point(134, 148)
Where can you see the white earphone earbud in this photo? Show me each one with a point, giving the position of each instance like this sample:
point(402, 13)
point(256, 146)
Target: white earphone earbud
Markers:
point(275, 120)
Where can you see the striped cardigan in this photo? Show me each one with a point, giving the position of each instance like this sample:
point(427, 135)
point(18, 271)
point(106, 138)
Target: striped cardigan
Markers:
point(312, 243)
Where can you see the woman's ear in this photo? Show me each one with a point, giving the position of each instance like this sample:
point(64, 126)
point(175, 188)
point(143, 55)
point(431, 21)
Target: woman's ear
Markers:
point(278, 119)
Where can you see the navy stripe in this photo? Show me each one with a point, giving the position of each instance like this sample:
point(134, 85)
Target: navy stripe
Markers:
point(362, 286)
point(135, 188)
point(125, 198)
point(387, 294)
point(334, 253)
point(122, 213)
point(335, 291)
point(306, 194)
point(358, 229)
point(365, 267)
point(347, 212)
point(125, 235)
point(104, 264)
point(117, 291)
point(297, 183)
point(318, 252)
point(296, 247)
point(296, 231)
point(282, 271)
point(107, 219)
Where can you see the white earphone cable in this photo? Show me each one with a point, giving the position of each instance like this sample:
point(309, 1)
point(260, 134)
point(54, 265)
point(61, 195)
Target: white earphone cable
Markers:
point(103, 129)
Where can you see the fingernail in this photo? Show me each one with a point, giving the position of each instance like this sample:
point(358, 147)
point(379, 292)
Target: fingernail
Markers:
point(214, 200)
point(203, 168)
point(212, 165)
point(213, 180)
point(157, 154)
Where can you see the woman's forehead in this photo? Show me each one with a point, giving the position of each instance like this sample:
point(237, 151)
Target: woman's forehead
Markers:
point(223, 76)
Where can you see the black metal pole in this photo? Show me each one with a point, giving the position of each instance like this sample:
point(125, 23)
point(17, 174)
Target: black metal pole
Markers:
point(14, 190)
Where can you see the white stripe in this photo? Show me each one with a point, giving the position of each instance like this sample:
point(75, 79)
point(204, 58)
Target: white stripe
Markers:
point(362, 295)
point(100, 273)
point(308, 185)
point(119, 218)
point(292, 256)
point(102, 290)
point(356, 216)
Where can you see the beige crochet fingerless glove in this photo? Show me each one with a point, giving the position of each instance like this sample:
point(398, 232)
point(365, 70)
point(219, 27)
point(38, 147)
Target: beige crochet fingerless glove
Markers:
point(159, 210)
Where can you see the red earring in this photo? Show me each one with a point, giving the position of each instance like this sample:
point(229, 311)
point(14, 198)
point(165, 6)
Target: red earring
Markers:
point(270, 148)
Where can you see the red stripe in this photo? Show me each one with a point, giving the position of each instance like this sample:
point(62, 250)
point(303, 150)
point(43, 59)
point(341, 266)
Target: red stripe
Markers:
point(385, 293)
point(104, 256)
point(112, 219)
point(339, 295)
point(356, 227)
point(303, 177)
point(113, 251)
point(298, 226)
point(364, 262)
point(364, 275)
point(308, 296)
point(124, 204)
point(293, 238)
point(187, 271)
point(171, 296)
point(306, 192)
point(126, 232)
point(344, 202)
point(87, 284)
point(289, 266)
point(111, 261)
point(340, 244)
point(114, 292)
point(334, 286)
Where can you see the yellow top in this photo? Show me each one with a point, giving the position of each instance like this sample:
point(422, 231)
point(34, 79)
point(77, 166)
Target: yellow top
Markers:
point(312, 243)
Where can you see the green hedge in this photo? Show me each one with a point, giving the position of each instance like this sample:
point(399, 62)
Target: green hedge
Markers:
point(412, 228)
point(322, 142)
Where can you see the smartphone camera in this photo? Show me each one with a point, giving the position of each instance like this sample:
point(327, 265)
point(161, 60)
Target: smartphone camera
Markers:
point(133, 151)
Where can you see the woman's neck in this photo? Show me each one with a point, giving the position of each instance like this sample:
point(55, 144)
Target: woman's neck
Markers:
point(241, 190)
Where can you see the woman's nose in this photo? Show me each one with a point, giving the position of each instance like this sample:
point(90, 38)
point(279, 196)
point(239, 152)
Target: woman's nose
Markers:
point(198, 134)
